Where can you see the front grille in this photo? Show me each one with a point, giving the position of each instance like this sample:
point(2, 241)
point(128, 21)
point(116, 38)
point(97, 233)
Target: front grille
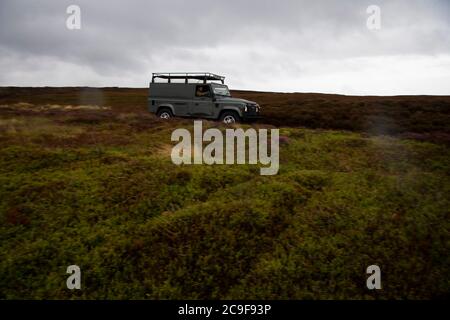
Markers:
point(252, 109)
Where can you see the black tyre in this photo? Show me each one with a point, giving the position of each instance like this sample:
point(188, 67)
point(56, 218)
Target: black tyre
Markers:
point(165, 113)
point(230, 117)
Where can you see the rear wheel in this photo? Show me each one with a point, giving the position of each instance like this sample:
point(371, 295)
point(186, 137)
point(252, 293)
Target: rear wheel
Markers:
point(229, 117)
point(164, 113)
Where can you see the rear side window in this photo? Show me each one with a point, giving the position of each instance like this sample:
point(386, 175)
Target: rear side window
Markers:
point(202, 90)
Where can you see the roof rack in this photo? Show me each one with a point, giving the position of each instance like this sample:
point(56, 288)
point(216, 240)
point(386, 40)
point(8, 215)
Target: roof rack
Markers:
point(205, 76)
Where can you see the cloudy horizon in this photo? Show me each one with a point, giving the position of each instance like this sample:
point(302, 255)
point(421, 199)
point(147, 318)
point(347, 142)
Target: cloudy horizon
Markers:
point(284, 46)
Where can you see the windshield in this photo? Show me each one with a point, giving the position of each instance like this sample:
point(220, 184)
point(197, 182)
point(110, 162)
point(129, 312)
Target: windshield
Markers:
point(220, 90)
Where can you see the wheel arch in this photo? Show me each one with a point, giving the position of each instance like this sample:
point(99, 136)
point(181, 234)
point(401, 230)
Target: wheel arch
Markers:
point(165, 106)
point(230, 108)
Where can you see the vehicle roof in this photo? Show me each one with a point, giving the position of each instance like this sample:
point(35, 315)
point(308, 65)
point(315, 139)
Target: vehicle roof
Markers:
point(205, 76)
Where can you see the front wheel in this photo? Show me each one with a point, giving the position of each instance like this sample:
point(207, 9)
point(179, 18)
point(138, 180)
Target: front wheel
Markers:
point(229, 117)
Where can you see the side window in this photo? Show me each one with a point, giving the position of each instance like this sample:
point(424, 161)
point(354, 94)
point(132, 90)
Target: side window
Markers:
point(202, 91)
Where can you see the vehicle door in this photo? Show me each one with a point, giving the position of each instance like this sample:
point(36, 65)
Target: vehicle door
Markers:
point(202, 104)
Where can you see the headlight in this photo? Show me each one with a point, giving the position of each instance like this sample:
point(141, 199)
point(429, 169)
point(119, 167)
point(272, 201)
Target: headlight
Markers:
point(245, 108)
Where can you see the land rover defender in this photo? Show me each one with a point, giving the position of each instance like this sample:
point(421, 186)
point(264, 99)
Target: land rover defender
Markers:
point(197, 95)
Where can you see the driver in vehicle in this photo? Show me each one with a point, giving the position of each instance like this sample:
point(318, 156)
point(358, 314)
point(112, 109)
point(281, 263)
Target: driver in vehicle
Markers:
point(202, 91)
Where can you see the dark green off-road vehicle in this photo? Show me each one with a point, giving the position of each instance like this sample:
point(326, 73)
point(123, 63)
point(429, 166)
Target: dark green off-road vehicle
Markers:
point(198, 95)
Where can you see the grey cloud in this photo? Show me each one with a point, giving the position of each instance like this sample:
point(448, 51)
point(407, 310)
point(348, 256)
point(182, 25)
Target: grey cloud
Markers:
point(121, 38)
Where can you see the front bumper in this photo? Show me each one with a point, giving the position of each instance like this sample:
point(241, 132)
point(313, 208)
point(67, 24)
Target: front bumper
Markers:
point(251, 116)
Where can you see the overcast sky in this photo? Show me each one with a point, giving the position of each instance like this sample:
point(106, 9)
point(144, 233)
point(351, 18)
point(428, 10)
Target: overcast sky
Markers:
point(276, 45)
